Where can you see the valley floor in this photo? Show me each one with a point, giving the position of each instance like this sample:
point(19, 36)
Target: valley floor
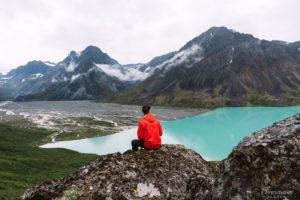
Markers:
point(71, 120)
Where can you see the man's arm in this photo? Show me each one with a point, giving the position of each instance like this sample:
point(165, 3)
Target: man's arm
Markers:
point(140, 132)
point(160, 130)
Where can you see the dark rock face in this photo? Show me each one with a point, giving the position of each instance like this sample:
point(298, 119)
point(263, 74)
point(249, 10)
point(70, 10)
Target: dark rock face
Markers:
point(265, 165)
point(295, 45)
point(78, 78)
point(24, 79)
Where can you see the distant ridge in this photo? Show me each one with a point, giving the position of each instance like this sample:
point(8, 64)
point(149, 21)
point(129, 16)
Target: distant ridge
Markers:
point(220, 67)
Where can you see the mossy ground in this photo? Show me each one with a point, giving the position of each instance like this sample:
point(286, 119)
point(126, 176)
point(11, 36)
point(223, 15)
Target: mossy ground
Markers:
point(23, 164)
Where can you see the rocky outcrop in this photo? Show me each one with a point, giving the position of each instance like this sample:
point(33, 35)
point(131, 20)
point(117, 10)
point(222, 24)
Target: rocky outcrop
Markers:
point(173, 172)
point(265, 165)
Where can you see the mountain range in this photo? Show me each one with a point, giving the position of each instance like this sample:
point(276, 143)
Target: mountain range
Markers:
point(220, 67)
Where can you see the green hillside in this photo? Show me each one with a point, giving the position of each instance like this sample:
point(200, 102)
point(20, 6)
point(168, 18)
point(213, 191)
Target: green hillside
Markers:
point(23, 164)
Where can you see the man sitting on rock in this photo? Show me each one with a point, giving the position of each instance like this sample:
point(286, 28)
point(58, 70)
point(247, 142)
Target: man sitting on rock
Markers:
point(149, 132)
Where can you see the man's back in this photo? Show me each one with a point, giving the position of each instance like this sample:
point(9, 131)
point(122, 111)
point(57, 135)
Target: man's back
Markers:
point(150, 132)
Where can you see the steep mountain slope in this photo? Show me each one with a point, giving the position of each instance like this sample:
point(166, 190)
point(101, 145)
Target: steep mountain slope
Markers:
point(148, 67)
point(90, 74)
point(81, 75)
point(25, 79)
point(77, 76)
point(222, 67)
point(145, 69)
point(295, 45)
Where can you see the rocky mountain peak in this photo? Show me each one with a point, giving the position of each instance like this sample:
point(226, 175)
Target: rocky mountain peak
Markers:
point(216, 29)
point(219, 36)
point(83, 61)
point(94, 54)
point(73, 54)
point(34, 66)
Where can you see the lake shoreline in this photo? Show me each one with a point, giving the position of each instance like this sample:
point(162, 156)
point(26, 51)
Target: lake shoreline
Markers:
point(212, 134)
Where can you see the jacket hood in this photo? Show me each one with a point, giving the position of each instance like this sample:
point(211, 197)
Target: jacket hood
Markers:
point(150, 118)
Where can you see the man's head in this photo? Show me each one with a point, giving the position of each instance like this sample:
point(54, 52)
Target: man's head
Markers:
point(146, 109)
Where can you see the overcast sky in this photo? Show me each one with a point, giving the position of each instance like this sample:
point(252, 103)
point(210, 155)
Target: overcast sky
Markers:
point(131, 31)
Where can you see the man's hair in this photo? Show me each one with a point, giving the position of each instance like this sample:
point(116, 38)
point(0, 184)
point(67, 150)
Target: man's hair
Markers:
point(146, 109)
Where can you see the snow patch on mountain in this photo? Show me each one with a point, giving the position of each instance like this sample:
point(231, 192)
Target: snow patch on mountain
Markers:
point(51, 64)
point(75, 77)
point(54, 80)
point(4, 79)
point(36, 76)
point(33, 77)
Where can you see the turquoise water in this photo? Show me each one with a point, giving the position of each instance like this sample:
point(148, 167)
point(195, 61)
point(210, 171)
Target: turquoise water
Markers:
point(212, 134)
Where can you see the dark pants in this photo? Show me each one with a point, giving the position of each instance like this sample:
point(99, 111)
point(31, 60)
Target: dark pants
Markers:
point(136, 144)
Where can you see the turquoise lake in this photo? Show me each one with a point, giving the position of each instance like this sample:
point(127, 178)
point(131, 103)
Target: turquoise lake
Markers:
point(213, 134)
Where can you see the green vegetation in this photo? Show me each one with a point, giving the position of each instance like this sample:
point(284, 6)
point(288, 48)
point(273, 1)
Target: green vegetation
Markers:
point(72, 193)
point(23, 164)
point(89, 127)
point(83, 133)
point(267, 100)
point(204, 98)
point(41, 96)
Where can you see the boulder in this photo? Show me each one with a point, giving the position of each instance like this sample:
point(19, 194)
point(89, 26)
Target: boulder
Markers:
point(265, 165)
point(172, 172)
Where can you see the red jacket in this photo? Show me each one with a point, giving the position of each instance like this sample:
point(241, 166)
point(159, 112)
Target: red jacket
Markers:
point(150, 132)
